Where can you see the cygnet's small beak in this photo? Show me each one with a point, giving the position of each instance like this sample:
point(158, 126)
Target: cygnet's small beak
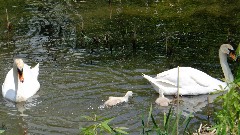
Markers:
point(20, 75)
point(232, 54)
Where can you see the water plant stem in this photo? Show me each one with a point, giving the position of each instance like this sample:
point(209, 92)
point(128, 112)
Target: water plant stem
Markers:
point(8, 22)
point(166, 44)
point(177, 100)
point(110, 7)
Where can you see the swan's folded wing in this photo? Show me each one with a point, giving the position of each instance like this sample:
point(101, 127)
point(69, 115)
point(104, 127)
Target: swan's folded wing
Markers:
point(166, 82)
point(35, 70)
point(204, 79)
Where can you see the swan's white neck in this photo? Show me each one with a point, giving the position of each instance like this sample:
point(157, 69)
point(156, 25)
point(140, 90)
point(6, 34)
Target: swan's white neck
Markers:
point(225, 67)
point(160, 93)
point(126, 97)
point(16, 81)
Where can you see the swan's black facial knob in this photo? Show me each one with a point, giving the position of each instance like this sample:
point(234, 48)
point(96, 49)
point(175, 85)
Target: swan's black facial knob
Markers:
point(20, 74)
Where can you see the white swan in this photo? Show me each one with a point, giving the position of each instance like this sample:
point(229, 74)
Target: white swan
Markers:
point(193, 81)
point(21, 82)
point(117, 100)
point(161, 100)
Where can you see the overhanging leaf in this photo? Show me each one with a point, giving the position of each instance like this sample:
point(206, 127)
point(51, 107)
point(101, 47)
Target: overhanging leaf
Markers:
point(106, 126)
point(238, 50)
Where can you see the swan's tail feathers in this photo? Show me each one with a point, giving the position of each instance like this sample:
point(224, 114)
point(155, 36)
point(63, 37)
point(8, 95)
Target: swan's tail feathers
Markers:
point(147, 77)
point(35, 70)
point(153, 82)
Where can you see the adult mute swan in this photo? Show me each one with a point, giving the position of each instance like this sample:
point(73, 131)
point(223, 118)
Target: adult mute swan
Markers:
point(21, 82)
point(193, 81)
point(117, 100)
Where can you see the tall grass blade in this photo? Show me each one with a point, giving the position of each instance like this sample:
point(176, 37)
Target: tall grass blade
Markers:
point(149, 114)
point(187, 121)
point(174, 129)
point(154, 122)
point(169, 116)
point(143, 125)
point(177, 121)
point(164, 119)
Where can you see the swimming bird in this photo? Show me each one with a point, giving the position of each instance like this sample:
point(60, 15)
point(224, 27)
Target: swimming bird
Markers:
point(117, 100)
point(161, 100)
point(21, 82)
point(193, 81)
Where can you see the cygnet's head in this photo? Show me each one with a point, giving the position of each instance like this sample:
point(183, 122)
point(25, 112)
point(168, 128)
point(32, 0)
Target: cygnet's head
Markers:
point(129, 93)
point(228, 49)
point(19, 65)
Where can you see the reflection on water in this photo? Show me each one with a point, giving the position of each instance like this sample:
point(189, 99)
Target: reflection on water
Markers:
point(75, 81)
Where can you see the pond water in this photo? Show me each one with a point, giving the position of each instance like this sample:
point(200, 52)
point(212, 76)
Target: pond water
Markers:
point(81, 67)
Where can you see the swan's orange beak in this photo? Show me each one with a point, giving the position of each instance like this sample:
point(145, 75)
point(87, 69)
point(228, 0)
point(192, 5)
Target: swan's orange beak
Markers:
point(20, 75)
point(233, 55)
point(21, 78)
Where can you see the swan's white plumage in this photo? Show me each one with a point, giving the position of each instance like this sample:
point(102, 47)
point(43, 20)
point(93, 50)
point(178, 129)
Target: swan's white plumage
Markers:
point(192, 81)
point(15, 90)
point(117, 100)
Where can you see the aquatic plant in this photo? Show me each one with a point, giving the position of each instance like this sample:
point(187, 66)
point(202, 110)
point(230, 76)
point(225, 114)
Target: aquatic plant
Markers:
point(102, 127)
point(227, 118)
point(168, 120)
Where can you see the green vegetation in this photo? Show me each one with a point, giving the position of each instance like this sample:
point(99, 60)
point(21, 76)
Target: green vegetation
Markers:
point(149, 127)
point(166, 127)
point(101, 128)
point(227, 118)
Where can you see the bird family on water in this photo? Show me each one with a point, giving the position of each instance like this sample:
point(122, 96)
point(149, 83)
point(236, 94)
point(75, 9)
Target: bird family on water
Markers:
point(21, 81)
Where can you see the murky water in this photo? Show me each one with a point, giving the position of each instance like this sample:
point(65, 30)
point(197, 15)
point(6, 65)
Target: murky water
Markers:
point(76, 80)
